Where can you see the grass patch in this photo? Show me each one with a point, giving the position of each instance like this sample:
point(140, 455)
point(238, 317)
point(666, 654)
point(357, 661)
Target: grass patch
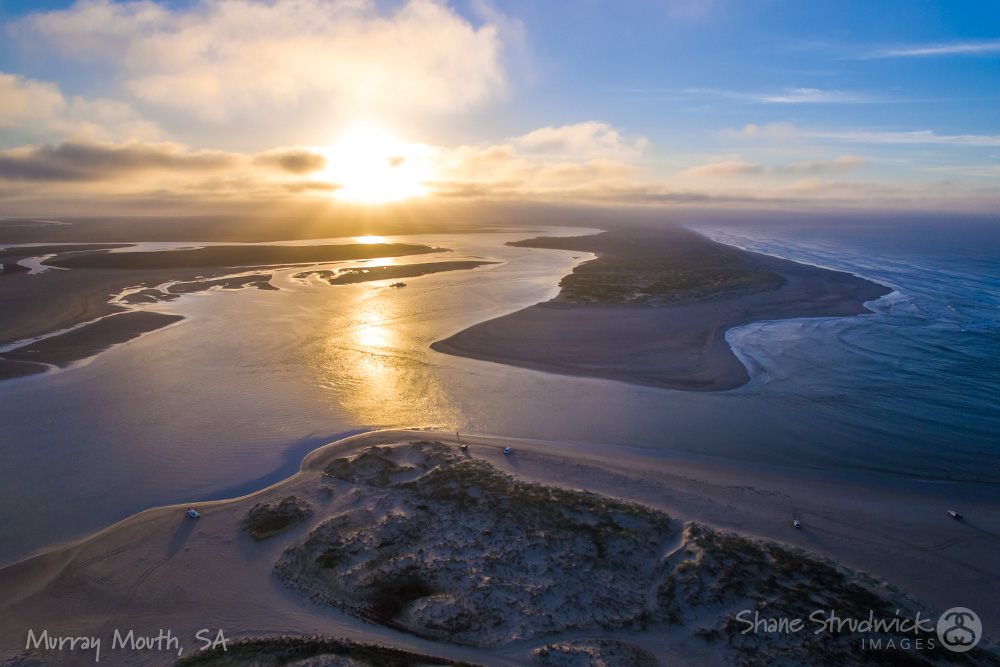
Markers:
point(647, 267)
point(391, 597)
point(265, 520)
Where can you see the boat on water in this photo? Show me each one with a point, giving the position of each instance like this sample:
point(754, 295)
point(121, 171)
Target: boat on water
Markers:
point(954, 514)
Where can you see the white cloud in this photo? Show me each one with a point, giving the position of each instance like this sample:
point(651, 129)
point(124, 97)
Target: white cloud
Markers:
point(723, 169)
point(738, 167)
point(984, 170)
point(813, 96)
point(789, 131)
point(953, 48)
point(588, 139)
point(793, 96)
point(221, 58)
point(552, 162)
point(23, 100)
point(32, 109)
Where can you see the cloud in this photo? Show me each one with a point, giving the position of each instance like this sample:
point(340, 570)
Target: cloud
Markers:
point(218, 59)
point(472, 169)
point(985, 170)
point(793, 96)
point(739, 167)
point(23, 99)
point(842, 163)
point(76, 161)
point(77, 175)
point(551, 162)
point(950, 49)
point(588, 139)
point(814, 96)
point(789, 131)
point(292, 160)
point(32, 109)
point(724, 169)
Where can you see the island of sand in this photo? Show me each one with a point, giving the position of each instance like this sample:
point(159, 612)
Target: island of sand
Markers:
point(72, 311)
point(354, 275)
point(653, 309)
point(404, 548)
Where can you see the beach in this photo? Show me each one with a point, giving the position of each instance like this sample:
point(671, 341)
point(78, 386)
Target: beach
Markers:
point(161, 569)
point(674, 345)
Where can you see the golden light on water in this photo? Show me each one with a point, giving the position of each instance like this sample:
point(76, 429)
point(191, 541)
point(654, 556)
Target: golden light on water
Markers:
point(371, 239)
point(372, 166)
point(374, 368)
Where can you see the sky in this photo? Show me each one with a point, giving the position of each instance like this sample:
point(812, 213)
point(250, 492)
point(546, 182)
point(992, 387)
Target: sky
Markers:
point(195, 106)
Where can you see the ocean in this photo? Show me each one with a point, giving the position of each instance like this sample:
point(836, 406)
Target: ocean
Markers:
point(231, 399)
point(914, 388)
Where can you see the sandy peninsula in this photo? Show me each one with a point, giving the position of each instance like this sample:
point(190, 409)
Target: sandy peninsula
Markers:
point(654, 307)
point(402, 540)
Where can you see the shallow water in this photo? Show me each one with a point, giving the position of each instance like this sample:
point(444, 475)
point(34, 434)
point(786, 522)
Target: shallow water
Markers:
point(232, 398)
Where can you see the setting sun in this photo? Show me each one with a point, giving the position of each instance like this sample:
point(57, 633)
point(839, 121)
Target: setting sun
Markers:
point(372, 166)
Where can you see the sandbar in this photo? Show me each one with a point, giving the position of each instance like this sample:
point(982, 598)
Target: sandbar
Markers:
point(366, 274)
point(90, 339)
point(645, 323)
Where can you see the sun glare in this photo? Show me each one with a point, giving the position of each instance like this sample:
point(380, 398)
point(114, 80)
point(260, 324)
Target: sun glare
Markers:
point(372, 166)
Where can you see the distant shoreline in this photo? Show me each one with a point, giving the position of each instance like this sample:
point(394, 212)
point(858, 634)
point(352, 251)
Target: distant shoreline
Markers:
point(679, 345)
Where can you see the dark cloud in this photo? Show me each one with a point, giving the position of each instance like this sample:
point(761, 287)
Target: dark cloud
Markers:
point(292, 160)
point(313, 186)
point(73, 161)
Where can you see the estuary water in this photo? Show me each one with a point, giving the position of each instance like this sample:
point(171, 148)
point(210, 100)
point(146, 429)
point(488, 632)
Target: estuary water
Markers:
point(232, 398)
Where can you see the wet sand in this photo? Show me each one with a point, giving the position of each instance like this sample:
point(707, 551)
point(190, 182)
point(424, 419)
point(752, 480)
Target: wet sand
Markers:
point(675, 346)
point(368, 274)
point(237, 256)
point(64, 349)
point(11, 370)
point(160, 569)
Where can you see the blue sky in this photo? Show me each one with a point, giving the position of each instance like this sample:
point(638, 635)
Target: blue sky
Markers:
point(770, 102)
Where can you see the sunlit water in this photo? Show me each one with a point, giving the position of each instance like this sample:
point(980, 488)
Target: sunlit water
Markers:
point(232, 398)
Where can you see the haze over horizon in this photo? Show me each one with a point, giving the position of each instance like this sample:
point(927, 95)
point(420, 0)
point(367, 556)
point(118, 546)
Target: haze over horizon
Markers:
point(226, 106)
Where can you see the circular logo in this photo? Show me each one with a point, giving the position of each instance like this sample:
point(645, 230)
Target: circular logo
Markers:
point(959, 629)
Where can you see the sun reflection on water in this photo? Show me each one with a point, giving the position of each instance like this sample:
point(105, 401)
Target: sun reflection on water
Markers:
point(375, 365)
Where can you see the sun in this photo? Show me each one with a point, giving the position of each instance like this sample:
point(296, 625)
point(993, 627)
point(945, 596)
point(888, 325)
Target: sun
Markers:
point(372, 166)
